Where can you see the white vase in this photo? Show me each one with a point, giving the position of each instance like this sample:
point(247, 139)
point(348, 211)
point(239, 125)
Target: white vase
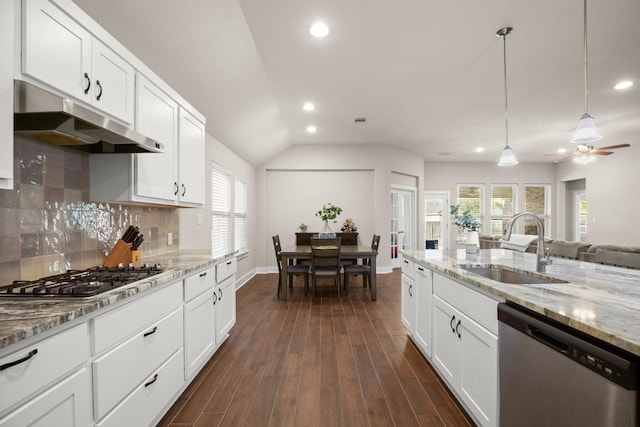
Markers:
point(473, 242)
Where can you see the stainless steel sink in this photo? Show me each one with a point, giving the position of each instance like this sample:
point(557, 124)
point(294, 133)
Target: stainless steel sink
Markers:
point(504, 274)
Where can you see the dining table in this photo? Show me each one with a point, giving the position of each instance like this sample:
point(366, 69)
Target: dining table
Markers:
point(347, 252)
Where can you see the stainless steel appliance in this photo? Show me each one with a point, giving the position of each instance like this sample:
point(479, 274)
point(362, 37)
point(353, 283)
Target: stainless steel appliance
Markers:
point(551, 375)
point(80, 283)
point(51, 118)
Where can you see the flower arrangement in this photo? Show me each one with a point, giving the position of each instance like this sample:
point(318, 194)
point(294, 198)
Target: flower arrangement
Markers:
point(329, 211)
point(303, 227)
point(465, 219)
point(349, 226)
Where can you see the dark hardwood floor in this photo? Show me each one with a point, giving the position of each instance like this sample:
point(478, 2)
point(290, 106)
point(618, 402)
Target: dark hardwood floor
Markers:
point(326, 362)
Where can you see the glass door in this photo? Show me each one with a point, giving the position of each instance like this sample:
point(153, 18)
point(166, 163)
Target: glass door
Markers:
point(436, 220)
point(580, 218)
point(402, 223)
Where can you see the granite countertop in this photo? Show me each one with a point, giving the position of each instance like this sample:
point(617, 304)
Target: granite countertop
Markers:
point(600, 300)
point(23, 318)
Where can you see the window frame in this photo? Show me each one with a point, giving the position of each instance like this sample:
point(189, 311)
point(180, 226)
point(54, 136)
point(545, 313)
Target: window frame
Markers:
point(240, 211)
point(480, 216)
point(503, 217)
point(546, 217)
point(219, 213)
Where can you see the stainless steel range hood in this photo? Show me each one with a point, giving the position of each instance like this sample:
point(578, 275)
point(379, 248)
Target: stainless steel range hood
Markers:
point(62, 121)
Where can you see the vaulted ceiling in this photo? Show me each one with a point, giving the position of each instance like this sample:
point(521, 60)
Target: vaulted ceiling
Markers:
point(427, 75)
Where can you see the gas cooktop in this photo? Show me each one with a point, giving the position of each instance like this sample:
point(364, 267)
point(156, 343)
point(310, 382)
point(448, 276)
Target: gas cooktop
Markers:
point(81, 283)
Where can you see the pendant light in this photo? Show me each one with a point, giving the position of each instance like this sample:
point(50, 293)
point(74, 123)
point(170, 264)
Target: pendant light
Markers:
point(507, 158)
point(586, 131)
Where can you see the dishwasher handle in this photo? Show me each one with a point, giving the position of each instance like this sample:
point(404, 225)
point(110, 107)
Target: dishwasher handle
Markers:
point(548, 340)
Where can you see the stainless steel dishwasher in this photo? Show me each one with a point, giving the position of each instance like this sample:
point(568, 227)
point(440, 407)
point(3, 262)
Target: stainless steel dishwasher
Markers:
point(551, 375)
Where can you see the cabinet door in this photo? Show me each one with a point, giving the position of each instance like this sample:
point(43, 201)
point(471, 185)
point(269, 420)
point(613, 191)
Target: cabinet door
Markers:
point(191, 162)
point(225, 308)
point(156, 117)
point(407, 304)
point(199, 332)
point(113, 81)
point(423, 300)
point(67, 403)
point(56, 49)
point(479, 371)
point(446, 351)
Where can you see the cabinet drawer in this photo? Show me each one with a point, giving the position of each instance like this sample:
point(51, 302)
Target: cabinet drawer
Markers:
point(199, 283)
point(407, 267)
point(118, 324)
point(476, 306)
point(148, 400)
point(225, 269)
point(119, 371)
point(54, 357)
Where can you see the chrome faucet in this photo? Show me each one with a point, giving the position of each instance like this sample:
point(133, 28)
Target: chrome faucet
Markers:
point(543, 258)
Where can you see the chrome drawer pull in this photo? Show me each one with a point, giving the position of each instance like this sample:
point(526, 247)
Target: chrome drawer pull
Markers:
point(19, 361)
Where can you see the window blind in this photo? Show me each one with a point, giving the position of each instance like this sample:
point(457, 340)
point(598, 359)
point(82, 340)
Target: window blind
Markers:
point(220, 211)
point(240, 214)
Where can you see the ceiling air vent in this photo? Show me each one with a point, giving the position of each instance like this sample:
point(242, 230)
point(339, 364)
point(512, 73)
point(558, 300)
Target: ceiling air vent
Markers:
point(360, 119)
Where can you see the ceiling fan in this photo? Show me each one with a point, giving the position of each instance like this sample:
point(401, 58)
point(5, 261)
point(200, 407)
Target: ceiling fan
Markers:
point(585, 153)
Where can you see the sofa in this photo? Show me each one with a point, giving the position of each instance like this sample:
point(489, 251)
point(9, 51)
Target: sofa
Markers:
point(619, 256)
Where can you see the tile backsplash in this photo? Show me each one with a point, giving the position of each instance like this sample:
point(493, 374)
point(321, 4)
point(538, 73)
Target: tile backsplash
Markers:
point(49, 225)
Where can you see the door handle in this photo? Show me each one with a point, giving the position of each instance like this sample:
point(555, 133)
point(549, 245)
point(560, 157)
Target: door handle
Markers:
point(19, 361)
point(457, 331)
point(151, 332)
point(410, 293)
point(184, 190)
point(88, 80)
point(99, 93)
point(453, 319)
point(153, 380)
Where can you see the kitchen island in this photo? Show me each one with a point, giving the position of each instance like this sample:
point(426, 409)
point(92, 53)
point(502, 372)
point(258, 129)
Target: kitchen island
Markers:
point(451, 303)
point(118, 358)
point(599, 300)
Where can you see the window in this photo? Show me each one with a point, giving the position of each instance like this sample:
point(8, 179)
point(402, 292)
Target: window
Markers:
point(503, 206)
point(536, 201)
point(470, 197)
point(240, 214)
point(220, 211)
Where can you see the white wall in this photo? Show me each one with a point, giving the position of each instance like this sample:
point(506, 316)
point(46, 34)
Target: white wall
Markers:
point(445, 176)
point(355, 177)
point(195, 236)
point(613, 202)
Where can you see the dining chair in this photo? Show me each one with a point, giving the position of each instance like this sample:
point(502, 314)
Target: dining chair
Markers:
point(292, 269)
point(325, 262)
point(364, 268)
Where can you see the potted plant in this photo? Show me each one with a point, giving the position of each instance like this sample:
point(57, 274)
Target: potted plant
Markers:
point(303, 227)
point(468, 226)
point(328, 212)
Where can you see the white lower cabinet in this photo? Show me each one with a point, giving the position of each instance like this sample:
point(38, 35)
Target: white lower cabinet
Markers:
point(199, 332)
point(28, 371)
point(225, 308)
point(407, 300)
point(465, 352)
point(68, 403)
point(423, 285)
point(120, 370)
point(144, 405)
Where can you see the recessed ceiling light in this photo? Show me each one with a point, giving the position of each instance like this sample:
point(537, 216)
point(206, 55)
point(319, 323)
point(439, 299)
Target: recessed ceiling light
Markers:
point(562, 150)
point(311, 129)
point(319, 29)
point(308, 106)
point(625, 84)
point(479, 149)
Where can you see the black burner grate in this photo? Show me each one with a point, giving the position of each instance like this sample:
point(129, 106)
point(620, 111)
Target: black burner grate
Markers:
point(81, 283)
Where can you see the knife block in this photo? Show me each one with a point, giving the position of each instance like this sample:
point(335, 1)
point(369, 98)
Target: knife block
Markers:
point(122, 253)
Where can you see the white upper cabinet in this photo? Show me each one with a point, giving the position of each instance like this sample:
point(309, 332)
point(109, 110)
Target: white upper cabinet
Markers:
point(157, 117)
point(58, 51)
point(191, 165)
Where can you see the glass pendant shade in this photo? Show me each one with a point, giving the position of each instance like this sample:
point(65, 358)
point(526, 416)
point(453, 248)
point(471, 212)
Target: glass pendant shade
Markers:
point(586, 131)
point(507, 158)
point(584, 159)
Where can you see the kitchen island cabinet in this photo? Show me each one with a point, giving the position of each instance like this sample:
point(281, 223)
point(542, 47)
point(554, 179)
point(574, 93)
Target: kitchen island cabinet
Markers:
point(114, 359)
